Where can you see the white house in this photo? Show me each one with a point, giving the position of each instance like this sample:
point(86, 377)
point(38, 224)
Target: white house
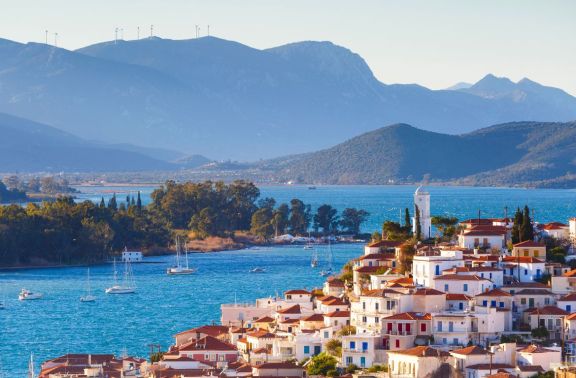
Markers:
point(493, 238)
point(462, 284)
point(535, 355)
point(428, 264)
point(363, 350)
point(524, 269)
point(417, 362)
point(556, 230)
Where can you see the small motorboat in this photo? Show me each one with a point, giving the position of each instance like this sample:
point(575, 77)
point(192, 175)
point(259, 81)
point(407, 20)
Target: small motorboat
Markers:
point(119, 289)
point(325, 273)
point(257, 270)
point(27, 295)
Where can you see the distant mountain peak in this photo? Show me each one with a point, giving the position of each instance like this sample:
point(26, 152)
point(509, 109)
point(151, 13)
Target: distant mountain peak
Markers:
point(459, 85)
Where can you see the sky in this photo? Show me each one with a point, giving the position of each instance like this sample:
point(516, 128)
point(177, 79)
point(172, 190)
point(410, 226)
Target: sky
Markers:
point(432, 43)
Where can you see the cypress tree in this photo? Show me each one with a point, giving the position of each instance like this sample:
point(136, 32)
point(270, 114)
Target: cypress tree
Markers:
point(407, 221)
point(418, 233)
point(526, 229)
point(112, 203)
point(128, 200)
point(102, 203)
point(132, 201)
point(518, 219)
point(139, 202)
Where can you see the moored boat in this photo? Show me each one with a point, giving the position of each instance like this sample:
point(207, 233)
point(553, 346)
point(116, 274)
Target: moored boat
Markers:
point(27, 295)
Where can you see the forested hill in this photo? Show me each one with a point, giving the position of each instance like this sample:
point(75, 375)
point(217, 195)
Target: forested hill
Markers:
point(519, 153)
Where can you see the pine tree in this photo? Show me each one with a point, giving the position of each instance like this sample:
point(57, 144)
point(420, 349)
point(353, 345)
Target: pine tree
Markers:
point(139, 202)
point(518, 219)
point(407, 221)
point(526, 229)
point(418, 233)
point(102, 203)
point(112, 203)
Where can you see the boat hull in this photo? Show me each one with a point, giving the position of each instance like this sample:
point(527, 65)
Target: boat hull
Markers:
point(120, 290)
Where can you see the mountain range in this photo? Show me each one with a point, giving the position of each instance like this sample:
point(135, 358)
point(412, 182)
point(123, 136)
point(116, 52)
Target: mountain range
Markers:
point(33, 147)
point(518, 153)
point(226, 100)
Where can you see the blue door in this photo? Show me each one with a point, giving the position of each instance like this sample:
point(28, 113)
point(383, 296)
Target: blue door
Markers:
point(461, 306)
point(317, 349)
point(362, 361)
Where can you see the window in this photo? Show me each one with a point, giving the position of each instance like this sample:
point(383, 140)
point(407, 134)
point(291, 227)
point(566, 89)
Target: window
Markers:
point(490, 275)
point(461, 306)
point(423, 327)
point(547, 301)
point(492, 303)
point(306, 349)
point(326, 334)
point(376, 320)
point(440, 326)
point(352, 344)
point(501, 304)
point(523, 301)
point(525, 272)
point(569, 308)
point(437, 270)
point(376, 306)
point(349, 360)
point(445, 288)
point(364, 346)
point(364, 319)
point(363, 305)
point(465, 287)
point(536, 254)
point(397, 343)
point(526, 254)
point(455, 341)
point(485, 303)
point(317, 349)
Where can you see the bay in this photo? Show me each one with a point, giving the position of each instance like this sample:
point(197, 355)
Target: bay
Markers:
point(165, 305)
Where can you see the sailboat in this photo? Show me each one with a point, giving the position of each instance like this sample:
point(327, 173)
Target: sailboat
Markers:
point(127, 286)
point(328, 271)
point(27, 295)
point(309, 243)
point(31, 367)
point(88, 297)
point(179, 269)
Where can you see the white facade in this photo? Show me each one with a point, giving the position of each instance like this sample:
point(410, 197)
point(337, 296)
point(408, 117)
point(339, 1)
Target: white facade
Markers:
point(425, 267)
point(422, 202)
point(362, 350)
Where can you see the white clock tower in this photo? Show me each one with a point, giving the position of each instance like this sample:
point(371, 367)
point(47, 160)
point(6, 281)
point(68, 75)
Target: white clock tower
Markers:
point(422, 203)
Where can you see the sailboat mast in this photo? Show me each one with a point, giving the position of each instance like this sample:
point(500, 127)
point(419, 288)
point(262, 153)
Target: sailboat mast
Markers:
point(31, 367)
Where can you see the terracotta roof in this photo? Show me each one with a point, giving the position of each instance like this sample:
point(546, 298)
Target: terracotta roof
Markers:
point(532, 348)
point(378, 256)
point(477, 221)
point(313, 318)
point(409, 316)
point(297, 291)
point(526, 285)
point(403, 281)
point(546, 310)
point(570, 273)
point(385, 244)
point(489, 366)
point(260, 350)
point(369, 269)
point(261, 334)
point(471, 350)
point(534, 292)
point(529, 243)
point(338, 314)
point(428, 291)
point(334, 302)
point(290, 321)
point(568, 297)
point(571, 316)
point(457, 297)
point(265, 319)
point(290, 310)
point(421, 351)
point(207, 343)
point(378, 293)
point(475, 232)
point(334, 281)
point(502, 374)
point(277, 365)
point(211, 330)
point(494, 293)
point(460, 277)
point(531, 368)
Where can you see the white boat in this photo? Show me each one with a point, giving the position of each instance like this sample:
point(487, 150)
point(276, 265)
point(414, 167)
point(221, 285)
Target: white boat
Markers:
point(127, 286)
point(329, 270)
point(180, 269)
point(314, 260)
point(88, 297)
point(257, 270)
point(27, 295)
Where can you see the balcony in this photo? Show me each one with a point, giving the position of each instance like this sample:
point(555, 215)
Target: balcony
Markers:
point(399, 333)
point(355, 351)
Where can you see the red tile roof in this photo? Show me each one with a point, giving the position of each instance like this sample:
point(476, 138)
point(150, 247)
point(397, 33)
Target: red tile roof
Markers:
point(457, 297)
point(211, 330)
point(290, 310)
point(546, 310)
point(428, 291)
point(532, 348)
point(313, 318)
point(385, 244)
point(471, 350)
point(277, 365)
point(523, 259)
point(460, 277)
point(207, 343)
point(494, 293)
point(421, 351)
point(409, 316)
point(529, 243)
point(338, 314)
point(297, 291)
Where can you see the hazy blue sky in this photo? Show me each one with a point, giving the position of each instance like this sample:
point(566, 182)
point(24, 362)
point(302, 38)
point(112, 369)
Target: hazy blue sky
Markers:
point(433, 43)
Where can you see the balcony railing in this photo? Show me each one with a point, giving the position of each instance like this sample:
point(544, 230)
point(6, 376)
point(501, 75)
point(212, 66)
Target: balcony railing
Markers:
point(394, 332)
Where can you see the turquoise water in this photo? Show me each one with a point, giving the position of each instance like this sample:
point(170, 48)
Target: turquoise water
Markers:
point(165, 305)
point(386, 202)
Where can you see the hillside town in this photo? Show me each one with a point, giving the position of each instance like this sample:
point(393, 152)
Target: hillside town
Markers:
point(477, 304)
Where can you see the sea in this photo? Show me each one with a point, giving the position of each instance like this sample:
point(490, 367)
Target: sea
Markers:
point(165, 305)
